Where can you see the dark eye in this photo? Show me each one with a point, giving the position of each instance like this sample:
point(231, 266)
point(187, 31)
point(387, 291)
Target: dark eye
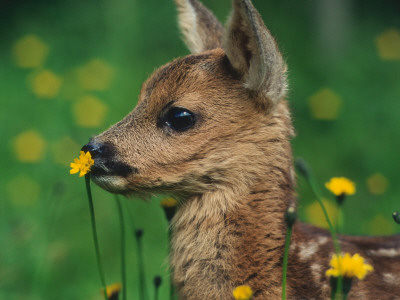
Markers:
point(179, 119)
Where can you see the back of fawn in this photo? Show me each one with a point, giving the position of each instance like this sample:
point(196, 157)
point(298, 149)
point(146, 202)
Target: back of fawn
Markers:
point(213, 130)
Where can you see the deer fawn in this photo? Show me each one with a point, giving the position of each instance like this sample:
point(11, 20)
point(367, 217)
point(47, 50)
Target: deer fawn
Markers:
point(213, 130)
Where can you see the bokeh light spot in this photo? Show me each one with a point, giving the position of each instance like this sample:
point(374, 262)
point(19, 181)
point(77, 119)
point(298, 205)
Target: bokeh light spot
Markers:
point(30, 52)
point(96, 75)
point(29, 146)
point(89, 111)
point(64, 150)
point(377, 184)
point(315, 215)
point(388, 44)
point(23, 191)
point(380, 225)
point(46, 84)
point(325, 104)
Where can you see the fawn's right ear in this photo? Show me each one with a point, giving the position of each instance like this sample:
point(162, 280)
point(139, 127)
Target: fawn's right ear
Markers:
point(200, 28)
point(254, 54)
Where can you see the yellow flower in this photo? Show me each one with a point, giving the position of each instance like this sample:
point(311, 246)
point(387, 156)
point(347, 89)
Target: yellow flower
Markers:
point(168, 202)
point(113, 290)
point(349, 266)
point(340, 186)
point(82, 164)
point(242, 292)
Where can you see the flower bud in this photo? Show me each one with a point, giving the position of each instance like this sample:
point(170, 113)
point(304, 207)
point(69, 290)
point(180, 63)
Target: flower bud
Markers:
point(290, 216)
point(396, 217)
point(302, 167)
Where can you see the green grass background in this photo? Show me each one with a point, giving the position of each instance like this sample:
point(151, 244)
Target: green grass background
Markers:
point(47, 250)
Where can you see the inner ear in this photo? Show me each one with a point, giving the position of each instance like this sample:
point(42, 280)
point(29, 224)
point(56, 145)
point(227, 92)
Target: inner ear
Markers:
point(254, 54)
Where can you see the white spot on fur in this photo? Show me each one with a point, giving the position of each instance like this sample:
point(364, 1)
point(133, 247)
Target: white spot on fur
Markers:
point(325, 289)
point(307, 250)
point(322, 240)
point(389, 278)
point(316, 272)
point(391, 252)
point(293, 246)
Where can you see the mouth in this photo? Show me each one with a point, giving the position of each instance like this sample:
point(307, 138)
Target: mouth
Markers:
point(110, 168)
point(108, 171)
point(111, 176)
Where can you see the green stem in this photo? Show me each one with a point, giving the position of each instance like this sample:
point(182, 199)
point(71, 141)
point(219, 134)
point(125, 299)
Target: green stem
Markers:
point(285, 260)
point(123, 262)
point(95, 239)
point(142, 283)
point(340, 220)
point(336, 245)
point(156, 294)
point(331, 228)
point(171, 284)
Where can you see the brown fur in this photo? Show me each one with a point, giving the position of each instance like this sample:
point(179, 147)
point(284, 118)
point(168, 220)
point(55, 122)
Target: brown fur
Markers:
point(232, 172)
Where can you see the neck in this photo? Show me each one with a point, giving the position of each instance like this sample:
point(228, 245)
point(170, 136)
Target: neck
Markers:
point(218, 245)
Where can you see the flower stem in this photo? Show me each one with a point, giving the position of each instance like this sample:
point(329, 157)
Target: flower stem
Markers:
point(123, 261)
point(331, 228)
point(142, 282)
point(310, 180)
point(285, 260)
point(157, 282)
point(94, 231)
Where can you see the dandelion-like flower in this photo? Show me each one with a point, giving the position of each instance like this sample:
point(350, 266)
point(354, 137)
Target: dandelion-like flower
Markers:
point(242, 292)
point(349, 266)
point(169, 206)
point(341, 186)
point(168, 202)
point(113, 291)
point(82, 164)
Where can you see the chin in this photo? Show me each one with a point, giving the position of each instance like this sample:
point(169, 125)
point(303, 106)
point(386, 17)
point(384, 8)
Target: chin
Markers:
point(119, 185)
point(111, 183)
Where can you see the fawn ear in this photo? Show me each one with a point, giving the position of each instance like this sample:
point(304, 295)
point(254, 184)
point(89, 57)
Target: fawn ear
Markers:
point(254, 54)
point(200, 28)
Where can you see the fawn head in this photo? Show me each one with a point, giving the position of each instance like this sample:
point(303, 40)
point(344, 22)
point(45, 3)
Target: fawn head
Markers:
point(202, 121)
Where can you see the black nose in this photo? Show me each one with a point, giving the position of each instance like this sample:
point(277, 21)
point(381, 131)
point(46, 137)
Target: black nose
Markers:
point(96, 149)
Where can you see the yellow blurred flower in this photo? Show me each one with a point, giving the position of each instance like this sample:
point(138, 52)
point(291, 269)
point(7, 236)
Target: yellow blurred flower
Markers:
point(89, 111)
point(341, 186)
point(168, 202)
point(380, 225)
point(325, 104)
point(315, 215)
point(349, 266)
point(113, 290)
point(377, 184)
point(96, 75)
point(62, 150)
point(30, 52)
point(169, 205)
point(29, 146)
point(82, 164)
point(242, 292)
point(46, 84)
point(388, 44)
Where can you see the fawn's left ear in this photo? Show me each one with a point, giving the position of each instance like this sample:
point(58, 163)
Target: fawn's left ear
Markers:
point(200, 28)
point(254, 54)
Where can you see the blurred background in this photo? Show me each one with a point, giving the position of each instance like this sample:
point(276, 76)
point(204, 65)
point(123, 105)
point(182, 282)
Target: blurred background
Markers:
point(70, 69)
